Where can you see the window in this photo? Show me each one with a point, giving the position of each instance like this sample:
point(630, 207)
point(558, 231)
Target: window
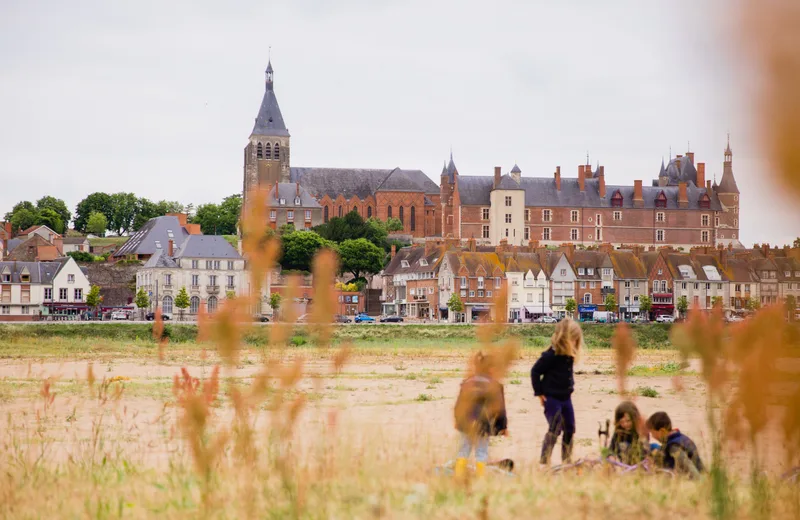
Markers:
point(607, 272)
point(230, 282)
point(527, 233)
point(167, 279)
point(400, 214)
point(488, 294)
point(719, 286)
point(389, 211)
point(48, 293)
point(708, 287)
point(573, 216)
point(212, 280)
point(472, 294)
point(736, 222)
point(636, 284)
point(592, 285)
point(26, 309)
point(404, 263)
point(325, 213)
point(212, 304)
point(6, 277)
point(597, 221)
point(195, 280)
point(704, 220)
point(617, 215)
point(194, 305)
point(583, 285)
point(581, 271)
point(590, 270)
point(508, 201)
point(268, 151)
point(290, 214)
point(70, 278)
point(195, 264)
point(663, 286)
point(484, 213)
point(696, 286)
point(463, 294)
point(530, 297)
point(563, 272)
point(587, 298)
point(62, 294)
point(480, 282)
point(166, 307)
point(6, 309)
point(655, 285)
point(660, 235)
point(230, 265)
point(716, 221)
point(527, 215)
point(573, 234)
point(277, 154)
point(463, 282)
point(480, 294)
point(660, 216)
point(78, 295)
point(546, 233)
point(413, 218)
point(683, 286)
point(259, 151)
point(627, 284)
point(497, 283)
point(340, 211)
point(661, 200)
point(273, 215)
point(369, 212)
point(485, 232)
point(508, 218)
point(704, 236)
point(546, 215)
point(24, 277)
point(282, 201)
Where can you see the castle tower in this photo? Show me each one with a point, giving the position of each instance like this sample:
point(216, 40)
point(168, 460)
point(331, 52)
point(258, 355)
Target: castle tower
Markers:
point(728, 193)
point(266, 156)
point(450, 200)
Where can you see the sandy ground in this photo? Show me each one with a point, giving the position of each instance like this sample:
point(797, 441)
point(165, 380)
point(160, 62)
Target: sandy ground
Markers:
point(395, 400)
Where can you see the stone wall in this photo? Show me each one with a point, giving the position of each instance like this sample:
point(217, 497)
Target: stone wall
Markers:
point(117, 282)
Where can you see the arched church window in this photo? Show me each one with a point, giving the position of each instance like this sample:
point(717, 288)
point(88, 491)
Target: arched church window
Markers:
point(259, 151)
point(389, 212)
point(325, 211)
point(340, 211)
point(413, 219)
point(369, 211)
point(268, 151)
point(400, 213)
point(277, 154)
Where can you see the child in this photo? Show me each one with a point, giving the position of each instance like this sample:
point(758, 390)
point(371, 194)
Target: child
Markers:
point(553, 384)
point(677, 450)
point(626, 445)
point(480, 412)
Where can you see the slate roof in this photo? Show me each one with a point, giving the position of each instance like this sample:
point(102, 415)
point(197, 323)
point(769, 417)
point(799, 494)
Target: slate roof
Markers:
point(157, 229)
point(790, 265)
point(288, 192)
point(160, 259)
point(14, 242)
point(451, 169)
point(679, 169)
point(728, 183)
point(508, 183)
point(41, 272)
point(361, 183)
point(412, 255)
point(269, 121)
point(675, 260)
point(516, 169)
point(207, 246)
point(541, 191)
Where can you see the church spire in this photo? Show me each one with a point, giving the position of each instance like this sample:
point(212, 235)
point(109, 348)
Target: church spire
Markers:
point(269, 121)
point(728, 183)
point(268, 75)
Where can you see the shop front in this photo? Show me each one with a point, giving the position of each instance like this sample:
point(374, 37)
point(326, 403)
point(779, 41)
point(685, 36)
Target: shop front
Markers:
point(478, 313)
point(662, 309)
point(586, 311)
point(628, 313)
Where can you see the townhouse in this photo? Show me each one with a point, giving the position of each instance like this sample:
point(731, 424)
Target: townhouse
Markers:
point(563, 281)
point(528, 287)
point(29, 290)
point(475, 277)
point(595, 278)
point(661, 281)
point(411, 283)
point(788, 277)
point(630, 282)
point(700, 279)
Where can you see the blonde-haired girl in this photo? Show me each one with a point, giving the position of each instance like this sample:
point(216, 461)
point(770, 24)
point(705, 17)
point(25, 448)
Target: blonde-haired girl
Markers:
point(553, 383)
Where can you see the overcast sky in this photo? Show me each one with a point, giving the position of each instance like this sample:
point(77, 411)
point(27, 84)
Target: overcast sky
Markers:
point(158, 98)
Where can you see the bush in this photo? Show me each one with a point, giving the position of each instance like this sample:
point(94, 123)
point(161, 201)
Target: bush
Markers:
point(298, 341)
point(81, 256)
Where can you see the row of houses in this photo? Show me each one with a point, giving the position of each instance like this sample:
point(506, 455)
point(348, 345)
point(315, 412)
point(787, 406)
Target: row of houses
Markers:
point(420, 281)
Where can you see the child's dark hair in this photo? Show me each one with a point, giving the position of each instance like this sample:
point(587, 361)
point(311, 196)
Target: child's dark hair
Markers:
point(659, 421)
point(628, 408)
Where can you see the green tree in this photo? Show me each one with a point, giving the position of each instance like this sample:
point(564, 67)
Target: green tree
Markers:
point(393, 224)
point(645, 304)
point(299, 248)
point(97, 224)
point(219, 219)
point(717, 301)
point(360, 256)
point(142, 301)
point(454, 303)
point(682, 305)
point(25, 204)
point(23, 218)
point(123, 212)
point(182, 301)
point(48, 217)
point(796, 242)
point(96, 202)
point(611, 303)
point(571, 306)
point(275, 302)
point(93, 298)
point(81, 256)
point(791, 307)
point(59, 207)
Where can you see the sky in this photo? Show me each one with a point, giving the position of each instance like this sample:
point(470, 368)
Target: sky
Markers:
point(159, 98)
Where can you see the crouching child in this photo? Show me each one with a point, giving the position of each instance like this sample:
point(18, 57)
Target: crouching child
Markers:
point(678, 452)
point(480, 413)
point(627, 445)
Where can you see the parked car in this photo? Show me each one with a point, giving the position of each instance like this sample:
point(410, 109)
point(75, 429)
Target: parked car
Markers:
point(150, 316)
point(734, 319)
point(545, 319)
point(391, 319)
point(119, 315)
point(261, 318)
point(639, 319)
point(665, 318)
point(363, 318)
point(341, 318)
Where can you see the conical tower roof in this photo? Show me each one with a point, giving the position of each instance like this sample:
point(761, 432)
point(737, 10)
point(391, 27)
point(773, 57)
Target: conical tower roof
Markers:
point(269, 121)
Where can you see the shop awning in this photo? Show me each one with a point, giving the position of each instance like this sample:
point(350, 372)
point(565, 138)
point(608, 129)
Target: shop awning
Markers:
point(587, 307)
point(538, 309)
point(478, 308)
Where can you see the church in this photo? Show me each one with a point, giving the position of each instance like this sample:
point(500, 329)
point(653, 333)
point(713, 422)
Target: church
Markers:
point(681, 207)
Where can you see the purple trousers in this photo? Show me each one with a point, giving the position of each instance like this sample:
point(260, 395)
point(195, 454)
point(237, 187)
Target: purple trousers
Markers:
point(560, 419)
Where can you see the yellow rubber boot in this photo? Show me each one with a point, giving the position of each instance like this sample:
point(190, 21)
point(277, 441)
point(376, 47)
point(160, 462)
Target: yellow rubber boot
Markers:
point(480, 469)
point(460, 469)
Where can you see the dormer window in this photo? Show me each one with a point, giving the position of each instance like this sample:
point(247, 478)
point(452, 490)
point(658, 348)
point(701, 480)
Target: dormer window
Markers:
point(661, 200)
point(589, 270)
point(403, 263)
point(581, 271)
point(705, 202)
point(282, 201)
point(297, 201)
point(422, 261)
point(158, 244)
point(616, 200)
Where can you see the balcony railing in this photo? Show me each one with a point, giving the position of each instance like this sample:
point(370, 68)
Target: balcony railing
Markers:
point(212, 289)
point(607, 290)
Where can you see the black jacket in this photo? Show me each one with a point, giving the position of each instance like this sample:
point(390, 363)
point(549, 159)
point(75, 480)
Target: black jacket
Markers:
point(678, 445)
point(551, 375)
point(481, 407)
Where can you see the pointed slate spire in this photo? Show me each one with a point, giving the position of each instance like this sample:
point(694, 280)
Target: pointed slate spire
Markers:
point(728, 183)
point(444, 167)
point(269, 121)
point(516, 169)
point(451, 167)
point(663, 171)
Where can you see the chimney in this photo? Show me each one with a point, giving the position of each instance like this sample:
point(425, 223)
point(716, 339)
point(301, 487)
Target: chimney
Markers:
point(170, 248)
point(276, 191)
point(8, 229)
point(765, 250)
point(496, 176)
point(701, 175)
point(638, 198)
point(471, 245)
point(693, 252)
point(568, 250)
point(708, 187)
point(180, 216)
point(723, 258)
point(394, 251)
point(581, 179)
point(605, 247)
point(558, 178)
point(193, 229)
point(533, 244)
point(690, 155)
point(601, 177)
point(683, 201)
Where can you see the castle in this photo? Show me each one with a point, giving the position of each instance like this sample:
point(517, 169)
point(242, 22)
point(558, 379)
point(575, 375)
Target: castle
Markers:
point(681, 207)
